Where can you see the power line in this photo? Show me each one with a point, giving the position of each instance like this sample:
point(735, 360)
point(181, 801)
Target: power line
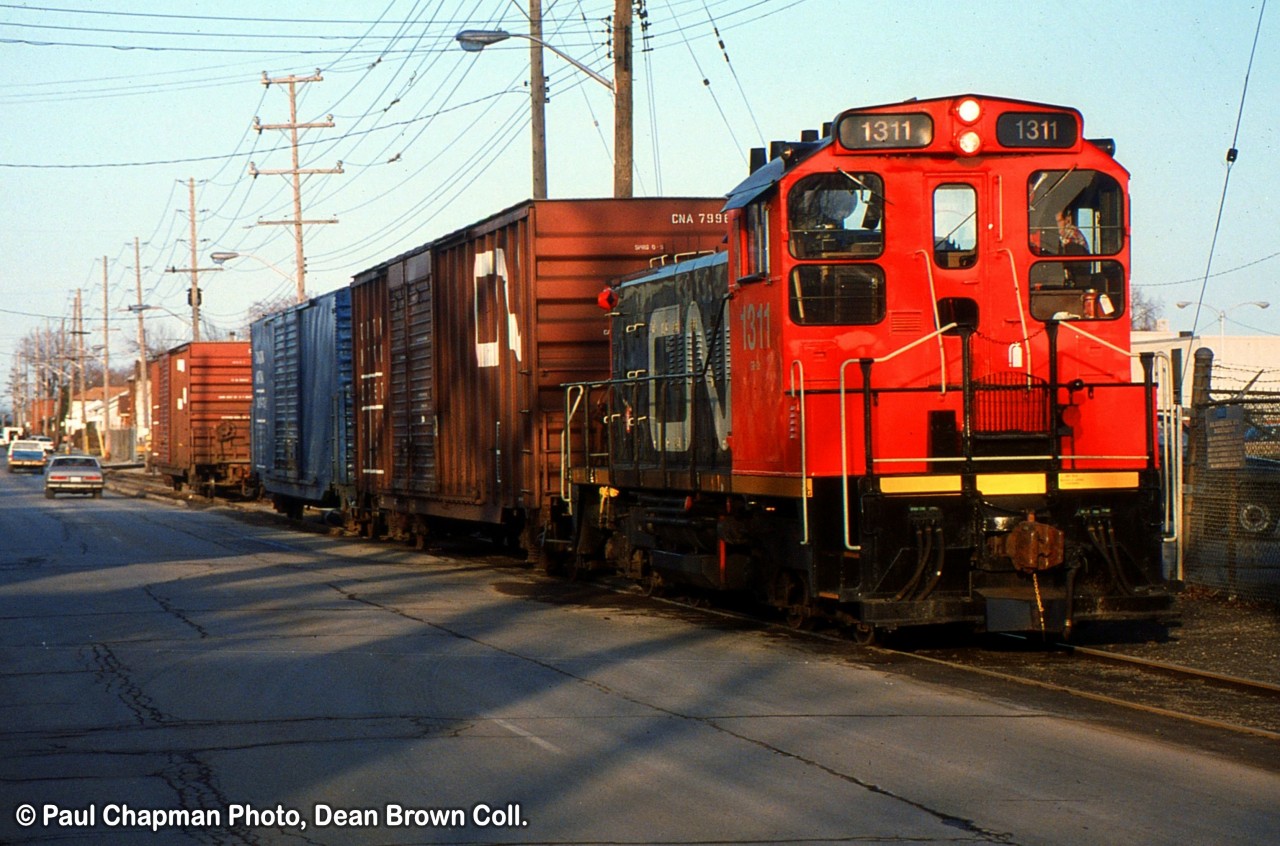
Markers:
point(1232, 154)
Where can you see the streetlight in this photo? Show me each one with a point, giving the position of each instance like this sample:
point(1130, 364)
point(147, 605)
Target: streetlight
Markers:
point(222, 257)
point(1222, 313)
point(475, 40)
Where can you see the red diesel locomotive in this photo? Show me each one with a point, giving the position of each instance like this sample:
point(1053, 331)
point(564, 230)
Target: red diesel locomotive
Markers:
point(903, 395)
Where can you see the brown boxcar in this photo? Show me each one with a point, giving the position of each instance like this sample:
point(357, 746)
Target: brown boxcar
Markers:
point(202, 395)
point(462, 345)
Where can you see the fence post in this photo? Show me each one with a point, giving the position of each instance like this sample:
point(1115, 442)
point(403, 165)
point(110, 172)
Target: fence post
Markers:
point(1197, 451)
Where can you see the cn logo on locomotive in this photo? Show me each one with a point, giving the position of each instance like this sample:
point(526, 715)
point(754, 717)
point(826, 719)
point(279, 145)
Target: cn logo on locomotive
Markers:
point(665, 323)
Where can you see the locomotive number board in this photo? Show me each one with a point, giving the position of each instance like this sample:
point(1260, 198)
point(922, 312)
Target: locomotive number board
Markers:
point(885, 132)
point(1036, 129)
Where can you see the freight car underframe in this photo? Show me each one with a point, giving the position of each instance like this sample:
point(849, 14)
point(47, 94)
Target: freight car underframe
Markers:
point(211, 478)
point(1023, 542)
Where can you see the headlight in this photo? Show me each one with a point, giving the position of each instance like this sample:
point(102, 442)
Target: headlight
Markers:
point(969, 142)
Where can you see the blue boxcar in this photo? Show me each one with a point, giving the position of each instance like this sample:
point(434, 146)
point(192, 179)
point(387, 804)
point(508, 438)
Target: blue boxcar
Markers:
point(303, 436)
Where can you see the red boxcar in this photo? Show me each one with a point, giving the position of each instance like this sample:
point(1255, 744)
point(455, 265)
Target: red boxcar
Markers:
point(202, 394)
point(462, 345)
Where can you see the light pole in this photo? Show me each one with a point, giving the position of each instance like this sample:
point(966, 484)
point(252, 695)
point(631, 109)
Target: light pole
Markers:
point(222, 257)
point(1222, 313)
point(475, 40)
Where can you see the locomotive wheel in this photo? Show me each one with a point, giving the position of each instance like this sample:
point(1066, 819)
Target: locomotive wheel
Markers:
point(549, 562)
point(865, 634)
point(799, 618)
point(793, 597)
point(652, 584)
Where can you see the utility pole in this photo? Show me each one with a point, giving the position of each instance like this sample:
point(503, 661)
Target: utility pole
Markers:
point(78, 383)
point(142, 409)
point(42, 373)
point(195, 269)
point(538, 94)
point(296, 171)
point(194, 296)
point(622, 138)
point(63, 381)
point(105, 438)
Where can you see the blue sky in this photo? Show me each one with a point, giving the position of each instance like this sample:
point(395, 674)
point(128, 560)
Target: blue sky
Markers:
point(109, 110)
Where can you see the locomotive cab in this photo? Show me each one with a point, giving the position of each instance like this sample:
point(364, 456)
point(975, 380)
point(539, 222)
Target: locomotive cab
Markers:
point(905, 395)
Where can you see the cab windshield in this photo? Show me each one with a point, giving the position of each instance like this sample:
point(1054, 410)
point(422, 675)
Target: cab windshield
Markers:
point(1076, 218)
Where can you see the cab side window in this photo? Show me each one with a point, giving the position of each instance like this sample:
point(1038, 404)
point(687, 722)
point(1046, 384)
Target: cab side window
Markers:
point(836, 215)
point(756, 252)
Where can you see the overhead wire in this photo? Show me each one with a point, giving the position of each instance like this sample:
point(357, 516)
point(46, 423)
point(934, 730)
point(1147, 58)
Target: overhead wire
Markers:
point(1232, 155)
point(420, 54)
point(733, 72)
point(706, 83)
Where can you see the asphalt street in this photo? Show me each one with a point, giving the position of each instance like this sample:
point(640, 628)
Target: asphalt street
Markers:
point(173, 675)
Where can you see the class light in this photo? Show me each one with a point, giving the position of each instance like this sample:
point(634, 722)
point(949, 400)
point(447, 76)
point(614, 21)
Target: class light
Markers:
point(969, 142)
point(969, 110)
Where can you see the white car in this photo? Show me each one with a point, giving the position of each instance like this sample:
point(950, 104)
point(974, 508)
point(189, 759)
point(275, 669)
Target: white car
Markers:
point(73, 474)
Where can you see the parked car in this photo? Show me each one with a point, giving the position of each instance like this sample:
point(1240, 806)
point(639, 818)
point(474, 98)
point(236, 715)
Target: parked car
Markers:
point(26, 455)
point(73, 474)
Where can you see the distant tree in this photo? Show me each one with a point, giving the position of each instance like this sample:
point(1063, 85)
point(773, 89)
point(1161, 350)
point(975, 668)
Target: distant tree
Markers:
point(1144, 311)
point(262, 308)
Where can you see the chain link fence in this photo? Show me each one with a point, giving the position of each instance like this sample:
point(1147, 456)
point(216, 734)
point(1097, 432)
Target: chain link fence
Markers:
point(1232, 488)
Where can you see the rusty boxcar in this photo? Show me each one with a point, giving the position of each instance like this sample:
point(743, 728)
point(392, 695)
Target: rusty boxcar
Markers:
point(462, 344)
point(200, 415)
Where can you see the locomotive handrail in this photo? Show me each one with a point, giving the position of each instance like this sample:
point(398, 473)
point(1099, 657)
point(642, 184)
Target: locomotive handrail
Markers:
point(978, 459)
point(1170, 426)
point(937, 333)
point(571, 406)
point(866, 363)
point(937, 319)
point(1092, 337)
point(1022, 316)
point(804, 455)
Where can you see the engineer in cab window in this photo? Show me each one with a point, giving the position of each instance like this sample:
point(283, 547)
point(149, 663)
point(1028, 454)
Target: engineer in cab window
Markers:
point(1070, 237)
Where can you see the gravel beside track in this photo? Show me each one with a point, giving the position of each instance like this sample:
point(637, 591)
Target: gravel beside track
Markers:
point(1215, 632)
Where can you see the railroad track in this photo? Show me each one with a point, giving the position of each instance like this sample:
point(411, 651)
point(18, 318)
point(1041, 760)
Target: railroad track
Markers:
point(1216, 700)
point(1189, 694)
